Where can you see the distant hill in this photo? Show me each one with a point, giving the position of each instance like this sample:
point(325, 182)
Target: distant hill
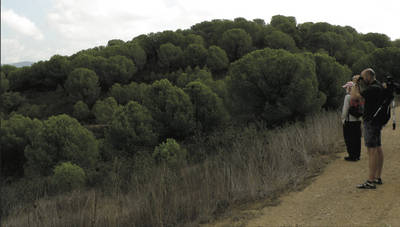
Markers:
point(21, 64)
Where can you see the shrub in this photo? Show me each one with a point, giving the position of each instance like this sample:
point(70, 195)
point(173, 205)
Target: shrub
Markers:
point(15, 134)
point(81, 111)
point(331, 75)
point(68, 176)
point(104, 110)
point(195, 55)
point(130, 92)
point(32, 110)
point(236, 42)
point(384, 61)
point(275, 85)
point(83, 84)
point(4, 83)
point(60, 139)
point(217, 60)
point(171, 108)
point(11, 101)
point(131, 127)
point(209, 109)
point(169, 152)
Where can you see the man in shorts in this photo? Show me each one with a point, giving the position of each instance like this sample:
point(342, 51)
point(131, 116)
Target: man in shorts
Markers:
point(372, 91)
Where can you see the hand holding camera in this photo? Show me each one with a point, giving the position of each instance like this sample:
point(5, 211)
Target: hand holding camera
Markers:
point(356, 78)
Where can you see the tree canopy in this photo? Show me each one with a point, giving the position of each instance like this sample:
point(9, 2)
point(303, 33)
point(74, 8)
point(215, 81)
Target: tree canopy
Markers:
point(131, 127)
point(275, 85)
point(236, 42)
point(83, 84)
point(171, 108)
point(60, 139)
point(153, 95)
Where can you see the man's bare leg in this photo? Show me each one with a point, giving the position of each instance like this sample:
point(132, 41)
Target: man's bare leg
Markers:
point(373, 162)
point(379, 160)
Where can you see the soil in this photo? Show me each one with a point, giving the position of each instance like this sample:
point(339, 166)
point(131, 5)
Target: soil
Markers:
point(332, 198)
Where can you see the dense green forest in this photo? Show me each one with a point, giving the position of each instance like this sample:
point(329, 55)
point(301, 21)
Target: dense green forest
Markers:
point(152, 100)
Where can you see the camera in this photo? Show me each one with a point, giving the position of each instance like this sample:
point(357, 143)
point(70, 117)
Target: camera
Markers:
point(393, 88)
point(392, 85)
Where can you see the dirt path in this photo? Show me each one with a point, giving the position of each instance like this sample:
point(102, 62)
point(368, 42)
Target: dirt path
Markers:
point(333, 200)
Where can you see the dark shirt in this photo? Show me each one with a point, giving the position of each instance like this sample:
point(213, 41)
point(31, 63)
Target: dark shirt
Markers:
point(373, 95)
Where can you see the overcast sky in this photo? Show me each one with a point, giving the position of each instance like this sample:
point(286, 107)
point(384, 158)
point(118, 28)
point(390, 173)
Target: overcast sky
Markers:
point(33, 30)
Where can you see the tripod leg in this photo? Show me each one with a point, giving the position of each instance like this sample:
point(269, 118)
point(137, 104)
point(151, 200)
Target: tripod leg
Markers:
point(394, 114)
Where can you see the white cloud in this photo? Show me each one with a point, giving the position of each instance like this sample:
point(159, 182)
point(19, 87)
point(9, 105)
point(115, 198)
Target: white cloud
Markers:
point(84, 24)
point(20, 24)
point(95, 22)
point(12, 51)
point(102, 19)
point(74, 25)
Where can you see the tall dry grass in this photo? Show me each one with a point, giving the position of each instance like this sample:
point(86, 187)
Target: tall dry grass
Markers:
point(259, 164)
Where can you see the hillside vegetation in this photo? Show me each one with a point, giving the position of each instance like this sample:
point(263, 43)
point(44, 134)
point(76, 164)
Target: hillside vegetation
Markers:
point(145, 121)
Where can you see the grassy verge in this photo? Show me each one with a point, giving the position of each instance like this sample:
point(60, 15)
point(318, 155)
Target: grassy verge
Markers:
point(257, 164)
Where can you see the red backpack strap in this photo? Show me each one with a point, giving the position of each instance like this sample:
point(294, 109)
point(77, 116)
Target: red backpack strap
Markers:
point(354, 102)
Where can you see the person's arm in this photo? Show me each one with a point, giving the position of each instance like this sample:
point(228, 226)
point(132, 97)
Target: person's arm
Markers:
point(345, 109)
point(359, 88)
point(363, 88)
point(355, 92)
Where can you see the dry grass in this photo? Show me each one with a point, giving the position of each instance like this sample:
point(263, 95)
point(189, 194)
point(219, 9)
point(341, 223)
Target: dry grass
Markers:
point(258, 165)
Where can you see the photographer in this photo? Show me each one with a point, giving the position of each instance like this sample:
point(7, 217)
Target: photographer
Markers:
point(372, 92)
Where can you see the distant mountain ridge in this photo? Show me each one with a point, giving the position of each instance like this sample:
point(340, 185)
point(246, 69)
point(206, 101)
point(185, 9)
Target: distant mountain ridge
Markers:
point(21, 64)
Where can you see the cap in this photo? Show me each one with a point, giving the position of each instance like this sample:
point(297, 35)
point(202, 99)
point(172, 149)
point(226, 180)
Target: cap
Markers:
point(348, 84)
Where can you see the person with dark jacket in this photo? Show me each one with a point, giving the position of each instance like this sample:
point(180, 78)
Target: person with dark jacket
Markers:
point(372, 91)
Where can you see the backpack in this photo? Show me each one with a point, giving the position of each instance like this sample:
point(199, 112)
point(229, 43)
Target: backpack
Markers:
point(382, 114)
point(356, 108)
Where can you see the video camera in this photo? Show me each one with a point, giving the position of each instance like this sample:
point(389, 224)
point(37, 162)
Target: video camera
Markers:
point(393, 86)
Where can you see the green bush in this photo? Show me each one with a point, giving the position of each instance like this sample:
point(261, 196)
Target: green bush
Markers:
point(81, 111)
point(68, 177)
point(83, 84)
point(104, 110)
point(32, 110)
point(4, 83)
point(384, 61)
point(169, 152)
point(15, 134)
point(60, 139)
point(236, 42)
point(331, 76)
point(130, 92)
point(195, 55)
point(131, 127)
point(11, 101)
point(379, 40)
point(169, 57)
point(279, 40)
point(196, 74)
point(119, 69)
point(217, 60)
point(209, 109)
point(172, 110)
point(274, 85)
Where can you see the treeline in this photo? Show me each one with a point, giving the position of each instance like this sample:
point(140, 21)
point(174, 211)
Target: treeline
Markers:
point(150, 98)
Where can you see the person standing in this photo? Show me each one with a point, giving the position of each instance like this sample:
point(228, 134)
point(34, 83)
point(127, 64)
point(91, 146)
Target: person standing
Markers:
point(372, 91)
point(351, 124)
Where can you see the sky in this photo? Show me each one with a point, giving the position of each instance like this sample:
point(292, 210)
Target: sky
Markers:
point(34, 30)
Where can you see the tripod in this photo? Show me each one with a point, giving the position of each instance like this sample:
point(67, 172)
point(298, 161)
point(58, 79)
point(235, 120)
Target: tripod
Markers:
point(394, 114)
